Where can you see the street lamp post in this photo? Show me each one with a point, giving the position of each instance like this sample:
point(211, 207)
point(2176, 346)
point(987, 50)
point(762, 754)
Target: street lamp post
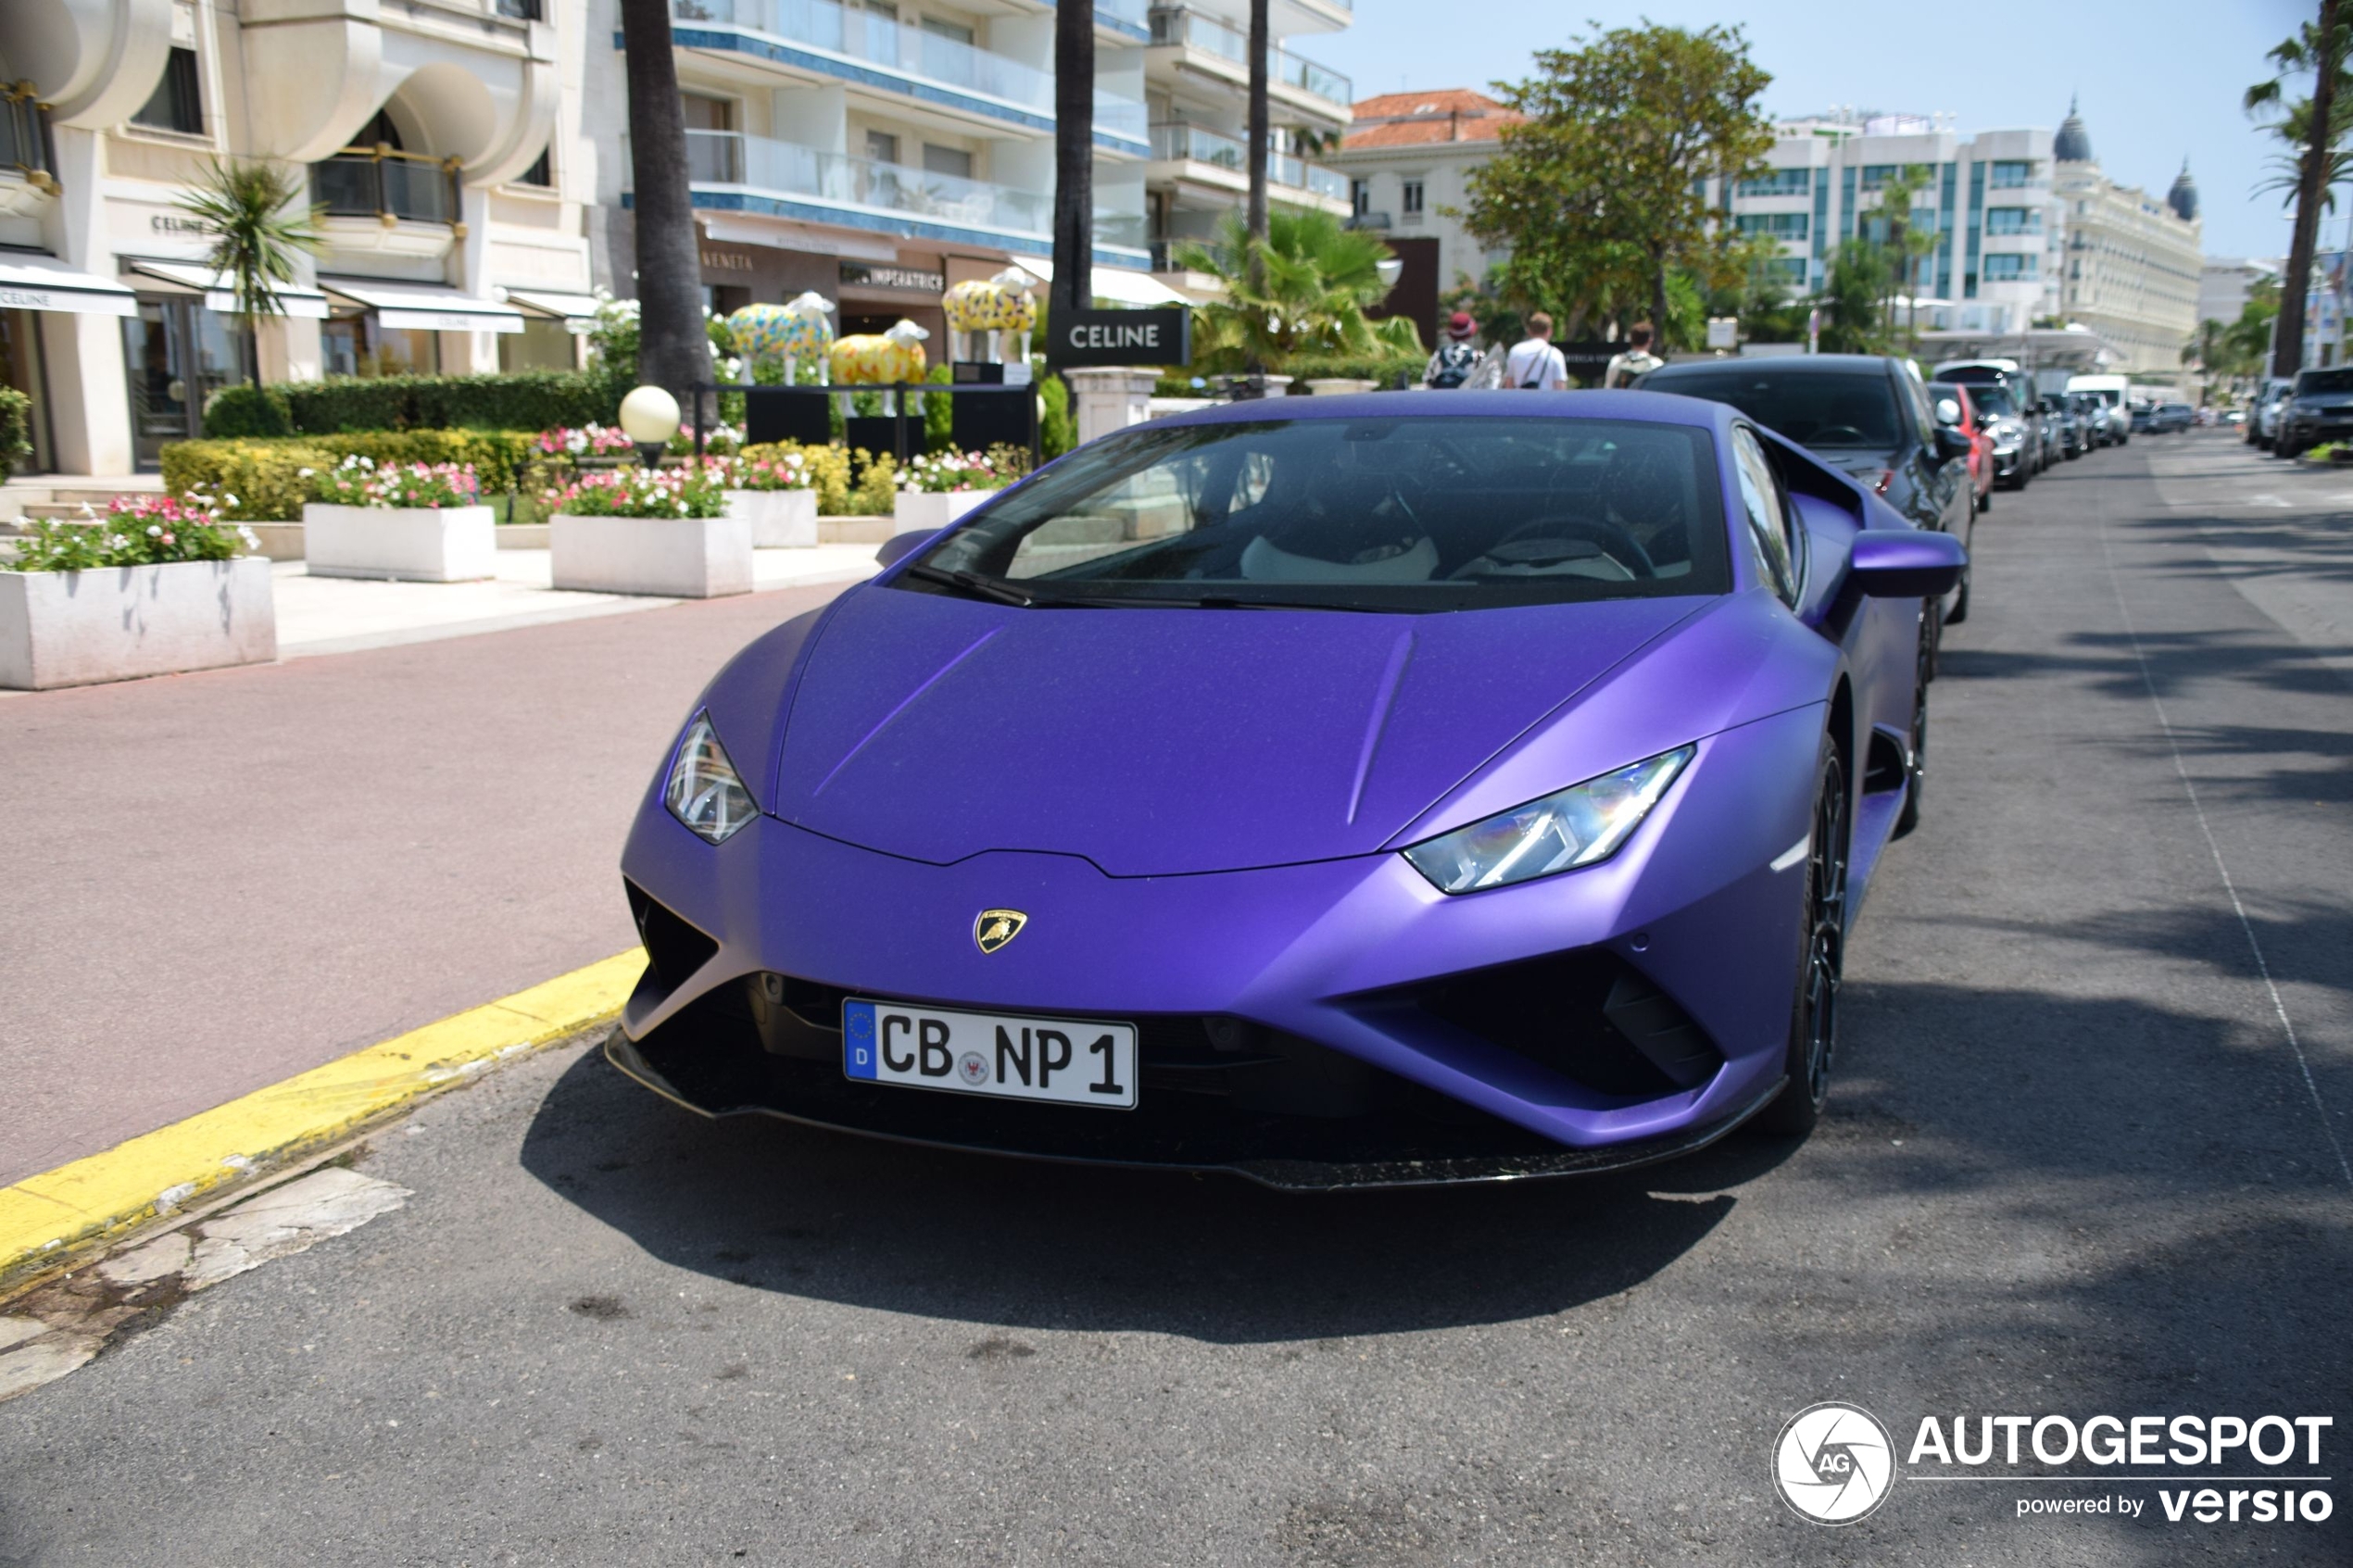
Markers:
point(650, 418)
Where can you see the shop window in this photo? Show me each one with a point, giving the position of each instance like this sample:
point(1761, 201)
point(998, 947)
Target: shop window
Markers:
point(541, 345)
point(356, 346)
point(178, 104)
point(21, 369)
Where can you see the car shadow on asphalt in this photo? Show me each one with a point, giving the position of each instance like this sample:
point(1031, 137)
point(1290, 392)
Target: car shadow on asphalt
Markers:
point(802, 1210)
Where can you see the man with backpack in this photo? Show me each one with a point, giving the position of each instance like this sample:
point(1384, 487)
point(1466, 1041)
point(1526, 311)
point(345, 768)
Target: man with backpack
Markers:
point(1457, 356)
point(1535, 365)
point(1637, 361)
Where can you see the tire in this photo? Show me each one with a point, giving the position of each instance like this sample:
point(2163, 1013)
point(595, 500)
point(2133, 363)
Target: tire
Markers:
point(1917, 775)
point(1960, 612)
point(1813, 1026)
point(1985, 499)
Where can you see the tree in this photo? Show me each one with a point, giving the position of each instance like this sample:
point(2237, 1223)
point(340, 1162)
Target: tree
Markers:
point(244, 209)
point(1073, 285)
point(1599, 192)
point(2321, 50)
point(1259, 132)
point(1905, 243)
point(1854, 298)
point(672, 348)
point(1301, 292)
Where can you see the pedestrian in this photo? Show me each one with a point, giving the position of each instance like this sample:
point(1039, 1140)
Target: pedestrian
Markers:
point(1535, 365)
point(1638, 360)
point(1457, 356)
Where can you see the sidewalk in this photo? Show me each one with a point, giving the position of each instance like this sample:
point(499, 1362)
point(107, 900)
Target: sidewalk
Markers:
point(320, 615)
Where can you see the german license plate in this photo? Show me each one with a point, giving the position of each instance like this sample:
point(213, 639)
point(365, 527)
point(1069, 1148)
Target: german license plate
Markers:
point(1070, 1061)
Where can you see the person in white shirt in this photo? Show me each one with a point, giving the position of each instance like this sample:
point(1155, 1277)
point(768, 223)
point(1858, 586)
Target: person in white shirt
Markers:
point(1535, 365)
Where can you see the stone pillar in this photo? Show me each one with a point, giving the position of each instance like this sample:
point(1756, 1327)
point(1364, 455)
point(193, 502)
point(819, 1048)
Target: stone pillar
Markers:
point(1110, 399)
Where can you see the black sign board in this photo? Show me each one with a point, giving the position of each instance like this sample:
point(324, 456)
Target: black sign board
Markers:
point(915, 280)
point(1120, 337)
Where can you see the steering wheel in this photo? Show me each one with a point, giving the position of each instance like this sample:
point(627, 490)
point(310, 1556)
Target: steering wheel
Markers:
point(1836, 435)
point(1616, 543)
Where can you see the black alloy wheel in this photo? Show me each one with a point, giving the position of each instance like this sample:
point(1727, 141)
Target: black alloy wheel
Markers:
point(1813, 1029)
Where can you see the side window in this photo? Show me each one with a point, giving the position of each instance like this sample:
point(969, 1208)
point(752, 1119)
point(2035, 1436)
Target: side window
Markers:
point(1767, 513)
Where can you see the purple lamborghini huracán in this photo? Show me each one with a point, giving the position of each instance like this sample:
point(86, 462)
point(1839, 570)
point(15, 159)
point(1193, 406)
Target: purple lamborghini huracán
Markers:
point(1345, 791)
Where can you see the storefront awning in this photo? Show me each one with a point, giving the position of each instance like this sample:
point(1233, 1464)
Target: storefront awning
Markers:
point(424, 306)
point(1110, 282)
point(577, 311)
point(43, 283)
point(308, 304)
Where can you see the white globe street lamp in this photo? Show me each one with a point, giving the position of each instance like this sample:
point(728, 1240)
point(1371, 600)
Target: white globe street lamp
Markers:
point(650, 418)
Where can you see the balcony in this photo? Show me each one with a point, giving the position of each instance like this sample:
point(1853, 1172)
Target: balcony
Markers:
point(1193, 30)
point(24, 150)
point(887, 196)
point(846, 40)
point(378, 183)
point(1175, 143)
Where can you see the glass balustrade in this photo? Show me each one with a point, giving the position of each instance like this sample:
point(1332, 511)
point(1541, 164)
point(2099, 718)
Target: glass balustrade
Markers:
point(1195, 30)
point(380, 183)
point(1192, 144)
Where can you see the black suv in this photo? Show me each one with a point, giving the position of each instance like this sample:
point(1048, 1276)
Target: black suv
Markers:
point(1868, 414)
point(2318, 408)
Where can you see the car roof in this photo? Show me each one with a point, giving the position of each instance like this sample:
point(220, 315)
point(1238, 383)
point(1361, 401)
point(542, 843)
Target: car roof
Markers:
point(1780, 364)
point(1653, 407)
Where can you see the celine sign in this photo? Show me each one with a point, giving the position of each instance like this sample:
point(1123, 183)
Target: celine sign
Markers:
point(1120, 337)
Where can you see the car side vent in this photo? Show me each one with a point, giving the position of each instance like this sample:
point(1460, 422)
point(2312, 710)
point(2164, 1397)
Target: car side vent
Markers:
point(1669, 1037)
point(1584, 1015)
point(1883, 763)
point(674, 948)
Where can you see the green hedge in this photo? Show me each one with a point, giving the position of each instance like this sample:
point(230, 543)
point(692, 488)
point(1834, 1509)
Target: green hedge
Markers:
point(266, 477)
point(532, 400)
point(16, 429)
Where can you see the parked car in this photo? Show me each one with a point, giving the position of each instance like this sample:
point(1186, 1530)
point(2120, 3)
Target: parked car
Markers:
point(2171, 418)
point(2091, 417)
point(1867, 414)
point(2319, 408)
point(2016, 417)
point(1457, 927)
point(1954, 406)
point(2263, 409)
point(2056, 431)
point(2144, 418)
point(2115, 394)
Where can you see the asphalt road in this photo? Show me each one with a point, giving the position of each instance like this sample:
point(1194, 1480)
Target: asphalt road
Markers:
point(2074, 1163)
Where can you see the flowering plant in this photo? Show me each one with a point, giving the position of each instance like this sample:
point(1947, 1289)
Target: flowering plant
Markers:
point(781, 471)
point(721, 439)
point(136, 531)
point(358, 482)
point(591, 441)
point(992, 469)
point(634, 492)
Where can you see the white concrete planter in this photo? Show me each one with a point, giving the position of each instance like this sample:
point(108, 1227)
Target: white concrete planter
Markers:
point(120, 623)
point(673, 558)
point(1332, 386)
point(410, 543)
point(912, 509)
point(780, 519)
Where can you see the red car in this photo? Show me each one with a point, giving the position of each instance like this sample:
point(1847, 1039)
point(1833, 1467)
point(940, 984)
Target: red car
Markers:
point(1955, 407)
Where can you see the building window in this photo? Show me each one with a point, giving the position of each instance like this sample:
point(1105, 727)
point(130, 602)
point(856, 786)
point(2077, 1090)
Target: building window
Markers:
point(882, 146)
point(955, 32)
point(1780, 225)
point(2013, 221)
point(178, 104)
point(953, 162)
point(1409, 197)
point(541, 171)
point(2008, 269)
point(1360, 197)
point(1791, 269)
point(521, 10)
point(1878, 174)
point(706, 113)
point(1780, 183)
point(2011, 174)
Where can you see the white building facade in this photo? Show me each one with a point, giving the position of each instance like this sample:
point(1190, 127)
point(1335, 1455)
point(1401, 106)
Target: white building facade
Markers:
point(1408, 159)
point(433, 133)
point(2134, 262)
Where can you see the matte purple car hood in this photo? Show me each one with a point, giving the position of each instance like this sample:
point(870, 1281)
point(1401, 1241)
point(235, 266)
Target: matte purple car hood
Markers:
point(1158, 741)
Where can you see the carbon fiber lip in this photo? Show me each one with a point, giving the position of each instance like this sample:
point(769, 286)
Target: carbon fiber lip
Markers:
point(1284, 1175)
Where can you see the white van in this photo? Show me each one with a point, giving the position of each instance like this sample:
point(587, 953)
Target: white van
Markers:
point(2116, 392)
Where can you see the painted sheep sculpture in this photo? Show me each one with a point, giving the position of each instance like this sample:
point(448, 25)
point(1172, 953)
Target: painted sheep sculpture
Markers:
point(880, 359)
point(996, 305)
point(795, 332)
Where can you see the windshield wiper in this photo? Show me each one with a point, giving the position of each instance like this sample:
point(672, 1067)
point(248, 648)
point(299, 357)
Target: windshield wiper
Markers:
point(974, 583)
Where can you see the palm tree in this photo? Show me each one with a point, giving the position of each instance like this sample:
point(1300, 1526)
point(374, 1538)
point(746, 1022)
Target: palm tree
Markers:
point(1303, 291)
point(673, 348)
point(2321, 50)
point(244, 207)
point(1074, 159)
point(1258, 133)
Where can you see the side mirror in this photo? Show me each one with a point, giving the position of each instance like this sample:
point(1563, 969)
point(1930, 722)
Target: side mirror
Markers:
point(1952, 442)
point(898, 546)
point(1904, 563)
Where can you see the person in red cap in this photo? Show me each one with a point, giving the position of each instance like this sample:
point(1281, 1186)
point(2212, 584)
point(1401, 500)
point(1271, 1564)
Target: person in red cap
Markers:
point(1457, 356)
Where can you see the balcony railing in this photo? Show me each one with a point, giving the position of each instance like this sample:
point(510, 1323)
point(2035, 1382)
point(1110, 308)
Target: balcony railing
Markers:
point(730, 157)
point(380, 182)
point(24, 136)
point(1193, 144)
point(1194, 30)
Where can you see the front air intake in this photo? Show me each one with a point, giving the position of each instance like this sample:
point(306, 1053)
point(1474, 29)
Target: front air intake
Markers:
point(1585, 1014)
point(674, 948)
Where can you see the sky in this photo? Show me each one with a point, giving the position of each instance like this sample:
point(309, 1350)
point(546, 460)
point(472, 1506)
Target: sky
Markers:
point(2159, 79)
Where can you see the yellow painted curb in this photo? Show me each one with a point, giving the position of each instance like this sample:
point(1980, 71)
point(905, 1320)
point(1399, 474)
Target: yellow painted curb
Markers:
point(46, 1219)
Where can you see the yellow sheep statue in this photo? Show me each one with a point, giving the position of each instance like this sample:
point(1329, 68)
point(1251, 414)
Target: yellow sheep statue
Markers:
point(997, 306)
point(880, 359)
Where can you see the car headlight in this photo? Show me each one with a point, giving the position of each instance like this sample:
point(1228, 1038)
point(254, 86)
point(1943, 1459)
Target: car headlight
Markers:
point(704, 792)
point(1574, 827)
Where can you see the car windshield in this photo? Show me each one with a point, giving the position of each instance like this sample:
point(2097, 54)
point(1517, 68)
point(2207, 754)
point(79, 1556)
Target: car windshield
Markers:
point(1406, 514)
point(2311, 382)
point(1811, 408)
point(1992, 402)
